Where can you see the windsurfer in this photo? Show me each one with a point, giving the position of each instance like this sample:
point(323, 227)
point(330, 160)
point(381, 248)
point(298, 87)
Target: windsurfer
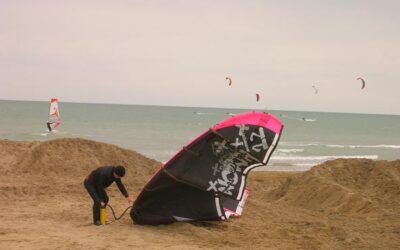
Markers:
point(96, 182)
point(54, 119)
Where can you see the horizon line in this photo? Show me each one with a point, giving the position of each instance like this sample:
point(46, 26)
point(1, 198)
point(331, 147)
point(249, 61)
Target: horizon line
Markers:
point(172, 106)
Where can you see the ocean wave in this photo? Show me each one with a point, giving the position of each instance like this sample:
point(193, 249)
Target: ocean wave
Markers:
point(290, 150)
point(363, 146)
point(304, 165)
point(202, 113)
point(293, 144)
point(312, 144)
point(321, 157)
point(287, 167)
point(309, 120)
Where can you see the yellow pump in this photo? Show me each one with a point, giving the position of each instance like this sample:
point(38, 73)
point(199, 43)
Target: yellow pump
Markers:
point(103, 215)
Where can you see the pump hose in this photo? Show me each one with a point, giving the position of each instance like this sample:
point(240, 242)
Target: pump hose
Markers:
point(115, 217)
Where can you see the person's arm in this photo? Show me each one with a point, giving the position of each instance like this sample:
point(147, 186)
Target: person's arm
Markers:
point(122, 188)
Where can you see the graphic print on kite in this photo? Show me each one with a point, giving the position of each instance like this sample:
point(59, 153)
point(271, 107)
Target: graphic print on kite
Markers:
point(206, 180)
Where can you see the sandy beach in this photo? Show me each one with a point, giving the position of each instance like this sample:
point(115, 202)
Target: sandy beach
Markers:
point(340, 204)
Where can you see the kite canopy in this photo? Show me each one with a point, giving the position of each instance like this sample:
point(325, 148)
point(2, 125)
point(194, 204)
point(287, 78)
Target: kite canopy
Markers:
point(206, 180)
point(315, 89)
point(229, 80)
point(363, 82)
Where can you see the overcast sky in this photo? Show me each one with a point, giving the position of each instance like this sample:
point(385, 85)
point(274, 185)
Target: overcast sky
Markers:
point(178, 53)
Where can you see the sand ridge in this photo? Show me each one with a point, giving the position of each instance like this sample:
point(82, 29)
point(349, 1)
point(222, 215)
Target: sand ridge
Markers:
point(340, 204)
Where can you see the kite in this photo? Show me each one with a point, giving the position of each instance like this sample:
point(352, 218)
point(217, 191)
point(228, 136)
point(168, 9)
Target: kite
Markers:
point(229, 80)
point(206, 179)
point(315, 89)
point(363, 82)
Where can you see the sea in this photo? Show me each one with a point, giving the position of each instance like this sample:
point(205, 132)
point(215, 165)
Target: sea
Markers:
point(158, 132)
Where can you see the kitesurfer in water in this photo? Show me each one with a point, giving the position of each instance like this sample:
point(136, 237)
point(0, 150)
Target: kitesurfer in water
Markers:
point(96, 182)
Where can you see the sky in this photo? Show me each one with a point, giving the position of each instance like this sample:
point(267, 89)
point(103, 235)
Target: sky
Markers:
point(179, 53)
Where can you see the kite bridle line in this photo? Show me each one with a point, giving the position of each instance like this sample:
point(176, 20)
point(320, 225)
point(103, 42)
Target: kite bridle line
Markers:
point(115, 217)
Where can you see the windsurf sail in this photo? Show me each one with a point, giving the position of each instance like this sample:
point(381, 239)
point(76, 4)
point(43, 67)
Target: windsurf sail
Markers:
point(54, 119)
point(206, 179)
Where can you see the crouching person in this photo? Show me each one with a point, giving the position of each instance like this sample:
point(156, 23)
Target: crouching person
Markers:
point(96, 182)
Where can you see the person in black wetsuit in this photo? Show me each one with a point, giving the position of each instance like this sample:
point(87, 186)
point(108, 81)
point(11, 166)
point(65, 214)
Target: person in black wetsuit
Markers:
point(96, 182)
point(48, 126)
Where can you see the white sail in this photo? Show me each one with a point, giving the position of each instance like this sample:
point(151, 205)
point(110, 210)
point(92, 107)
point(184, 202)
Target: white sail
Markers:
point(54, 119)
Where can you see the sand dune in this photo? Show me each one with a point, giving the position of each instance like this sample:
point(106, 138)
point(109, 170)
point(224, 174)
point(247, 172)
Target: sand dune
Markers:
point(347, 187)
point(341, 204)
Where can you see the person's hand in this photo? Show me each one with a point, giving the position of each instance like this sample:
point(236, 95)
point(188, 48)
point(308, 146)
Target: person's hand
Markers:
point(103, 204)
point(129, 199)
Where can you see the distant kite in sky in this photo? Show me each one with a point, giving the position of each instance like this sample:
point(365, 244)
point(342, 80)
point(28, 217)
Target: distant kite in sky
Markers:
point(363, 82)
point(229, 80)
point(257, 97)
point(315, 89)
